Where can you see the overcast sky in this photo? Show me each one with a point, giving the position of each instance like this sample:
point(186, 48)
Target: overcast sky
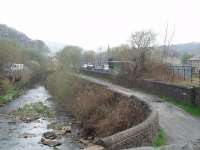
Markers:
point(95, 23)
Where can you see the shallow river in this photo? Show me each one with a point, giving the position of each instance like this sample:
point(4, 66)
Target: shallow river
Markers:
point(10, 129)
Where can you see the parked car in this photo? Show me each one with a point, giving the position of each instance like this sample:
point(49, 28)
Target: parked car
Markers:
point(84, 66)
point(106, 67)
point(98, 67)
point(90, 66)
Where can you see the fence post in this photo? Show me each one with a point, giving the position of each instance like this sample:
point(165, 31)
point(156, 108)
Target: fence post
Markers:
point(178, 72)
point(191, 74)
point(184, 73)
point(199, 76)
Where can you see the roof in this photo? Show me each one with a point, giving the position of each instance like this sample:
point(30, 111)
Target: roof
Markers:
point(195, 58)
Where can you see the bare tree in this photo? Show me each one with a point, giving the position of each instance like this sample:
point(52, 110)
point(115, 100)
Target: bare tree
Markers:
point(136, 56)
point(168, 38)
point(142, 40)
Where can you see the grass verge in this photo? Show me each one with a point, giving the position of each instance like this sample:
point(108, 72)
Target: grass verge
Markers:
point(10, 94)
point(189, 108)
point(160, 138)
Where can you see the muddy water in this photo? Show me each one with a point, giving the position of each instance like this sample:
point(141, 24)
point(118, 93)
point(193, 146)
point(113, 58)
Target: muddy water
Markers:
point(10, 129)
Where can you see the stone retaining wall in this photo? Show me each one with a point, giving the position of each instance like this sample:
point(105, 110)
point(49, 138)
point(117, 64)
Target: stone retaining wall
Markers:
point(100, 74)
point(141, 135)
point(182, 93)
point(197, 96)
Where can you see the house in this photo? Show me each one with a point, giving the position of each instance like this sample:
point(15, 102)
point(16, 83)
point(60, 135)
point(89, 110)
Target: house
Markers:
point(16, 67)
point(195, 62)
point(13, 71)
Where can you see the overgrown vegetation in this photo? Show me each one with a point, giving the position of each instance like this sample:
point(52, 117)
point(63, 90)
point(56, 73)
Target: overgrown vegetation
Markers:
point(33, 111)
point(191, 109)
point(33, 60)
point(8, 91)
point(10, 95)
point(63, 86)
point(160, 138)
point(101, 111)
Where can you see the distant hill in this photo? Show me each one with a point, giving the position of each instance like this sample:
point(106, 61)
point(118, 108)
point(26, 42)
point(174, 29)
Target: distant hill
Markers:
point(54, 46)
point(192, 48)
point(12, 34)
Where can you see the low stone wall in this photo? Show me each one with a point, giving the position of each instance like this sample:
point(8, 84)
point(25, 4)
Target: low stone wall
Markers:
point(142, 134)
point(197, 96)
point(99, 74)
point(183, 93)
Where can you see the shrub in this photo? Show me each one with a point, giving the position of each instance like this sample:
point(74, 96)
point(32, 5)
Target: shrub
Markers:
point(5, 86)
point(103, 112)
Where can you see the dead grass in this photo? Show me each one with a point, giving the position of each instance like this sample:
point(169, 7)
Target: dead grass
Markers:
point(103, 112)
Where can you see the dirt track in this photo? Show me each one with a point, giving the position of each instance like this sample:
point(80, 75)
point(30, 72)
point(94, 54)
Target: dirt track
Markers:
point(179, 126)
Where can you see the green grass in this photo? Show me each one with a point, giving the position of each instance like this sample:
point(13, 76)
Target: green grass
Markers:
point(189, 108)
point(160, 139)
point(34, 111)
point(10, 95)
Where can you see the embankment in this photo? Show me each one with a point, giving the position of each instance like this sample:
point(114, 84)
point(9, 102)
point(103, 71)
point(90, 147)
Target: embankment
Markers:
point(118, 120)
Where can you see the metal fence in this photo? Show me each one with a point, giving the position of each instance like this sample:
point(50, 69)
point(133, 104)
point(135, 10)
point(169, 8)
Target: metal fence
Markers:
point(185, 73)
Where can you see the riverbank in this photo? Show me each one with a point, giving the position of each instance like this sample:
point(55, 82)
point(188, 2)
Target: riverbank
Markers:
point(107, 117)
point(17, 134)
point(10, 95)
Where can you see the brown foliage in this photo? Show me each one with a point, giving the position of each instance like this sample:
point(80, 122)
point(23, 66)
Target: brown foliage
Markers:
point(103, 112)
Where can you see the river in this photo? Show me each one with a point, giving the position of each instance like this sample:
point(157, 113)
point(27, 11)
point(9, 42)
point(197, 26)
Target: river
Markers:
point(10, 130)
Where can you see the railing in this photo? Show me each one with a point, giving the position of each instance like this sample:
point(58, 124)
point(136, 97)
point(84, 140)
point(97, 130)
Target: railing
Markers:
point(185, 73)
point(176, 73)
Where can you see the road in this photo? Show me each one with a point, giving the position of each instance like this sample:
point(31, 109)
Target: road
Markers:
point(179, 126)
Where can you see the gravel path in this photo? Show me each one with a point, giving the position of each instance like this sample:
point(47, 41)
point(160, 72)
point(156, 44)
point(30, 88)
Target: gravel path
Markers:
point(179, 126)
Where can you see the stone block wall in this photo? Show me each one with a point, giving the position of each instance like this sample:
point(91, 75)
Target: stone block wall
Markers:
point(182, 93)
point(142, 134)
point(99, 74)
point(197, 96)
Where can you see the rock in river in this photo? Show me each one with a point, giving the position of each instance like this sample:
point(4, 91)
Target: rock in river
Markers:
point(51, 143)
point(50, 135)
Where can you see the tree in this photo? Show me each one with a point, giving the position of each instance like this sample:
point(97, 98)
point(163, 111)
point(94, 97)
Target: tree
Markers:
point(168, 38)
point(142, 43)
point(70, 57)
point(143, 40)
point(10, 52)
point(185, 58)
point(89, 57)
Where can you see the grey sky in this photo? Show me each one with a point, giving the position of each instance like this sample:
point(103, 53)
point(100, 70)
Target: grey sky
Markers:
point(94, 23)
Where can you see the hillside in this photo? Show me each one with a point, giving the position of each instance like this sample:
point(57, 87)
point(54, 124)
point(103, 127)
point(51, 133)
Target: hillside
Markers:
point(12, 34)
point(192, 48)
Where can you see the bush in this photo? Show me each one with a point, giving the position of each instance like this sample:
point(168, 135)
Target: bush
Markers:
point(103, 112)
point(63, 87)
point(5, 86)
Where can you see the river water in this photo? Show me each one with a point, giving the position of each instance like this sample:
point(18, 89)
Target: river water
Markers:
point(10, 130)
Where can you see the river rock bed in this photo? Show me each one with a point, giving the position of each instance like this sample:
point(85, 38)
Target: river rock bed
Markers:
point(22, 129)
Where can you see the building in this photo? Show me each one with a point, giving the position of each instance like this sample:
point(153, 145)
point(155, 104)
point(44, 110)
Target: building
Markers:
point(195, 62)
